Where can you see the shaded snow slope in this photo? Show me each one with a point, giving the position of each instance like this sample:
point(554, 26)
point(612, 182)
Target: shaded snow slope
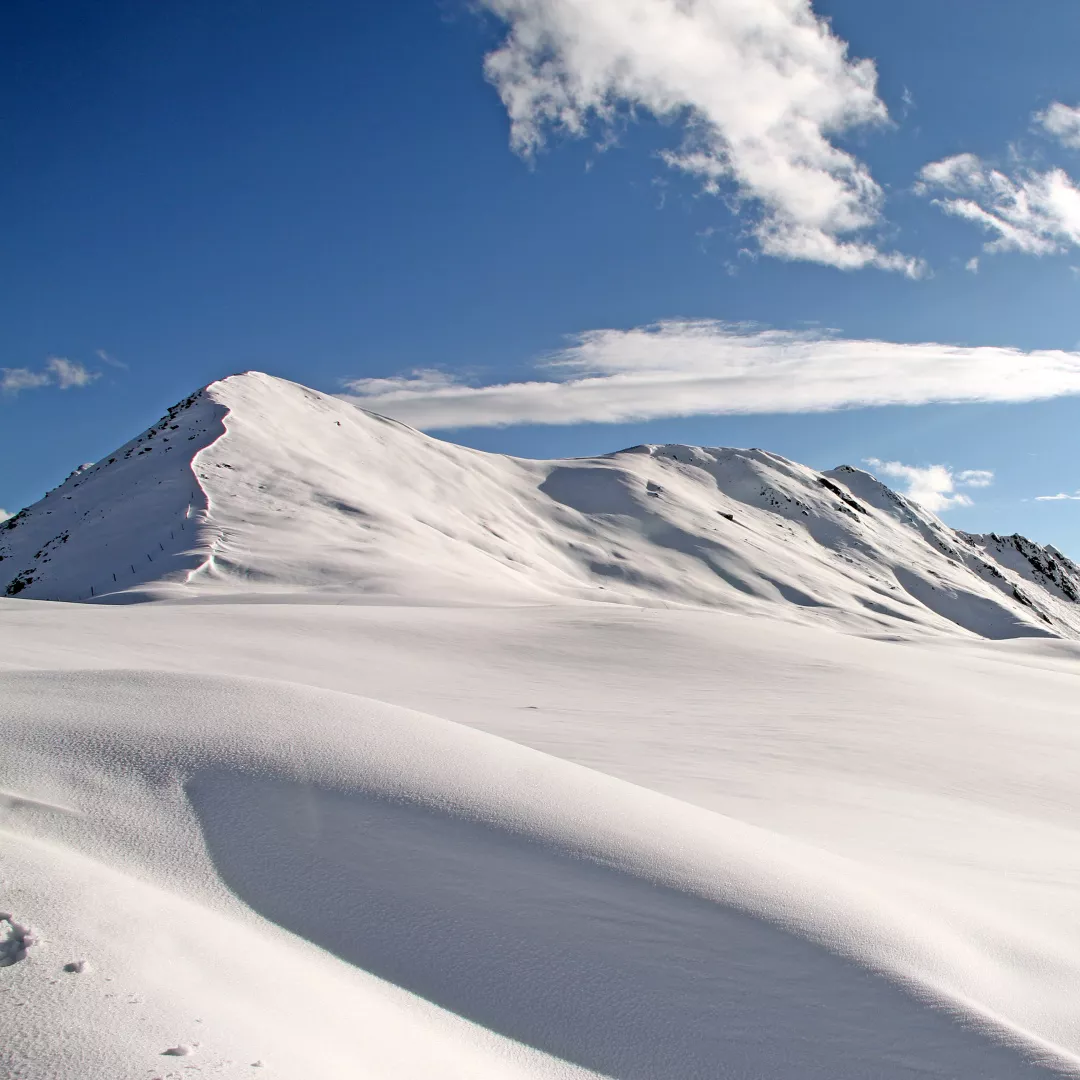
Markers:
point(593, 871)
point(132, 518)
point(261, 486)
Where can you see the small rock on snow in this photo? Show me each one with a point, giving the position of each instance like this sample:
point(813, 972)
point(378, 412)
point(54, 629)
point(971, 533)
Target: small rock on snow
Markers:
point(180, 1050)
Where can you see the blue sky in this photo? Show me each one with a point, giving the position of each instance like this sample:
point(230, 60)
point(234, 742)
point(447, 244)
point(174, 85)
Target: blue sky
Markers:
point(710, 222)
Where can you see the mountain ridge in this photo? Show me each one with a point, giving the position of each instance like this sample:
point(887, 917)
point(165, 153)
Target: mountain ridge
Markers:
point(258, 486)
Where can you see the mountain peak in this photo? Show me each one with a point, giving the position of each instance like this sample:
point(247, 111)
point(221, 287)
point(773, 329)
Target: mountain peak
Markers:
point(258, 485)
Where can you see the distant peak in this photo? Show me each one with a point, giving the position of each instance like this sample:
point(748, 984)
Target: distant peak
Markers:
point(854, 470)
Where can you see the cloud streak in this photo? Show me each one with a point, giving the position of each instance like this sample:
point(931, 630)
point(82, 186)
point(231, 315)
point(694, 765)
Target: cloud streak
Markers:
point(15, 380)
point(1061, 496)
point(1037, 213)
point(108, 358)
point(58, 371)
point(704, 367)
point(756, 91)
point(933, 487)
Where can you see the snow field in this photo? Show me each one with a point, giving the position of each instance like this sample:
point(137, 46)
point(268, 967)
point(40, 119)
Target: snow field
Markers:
point(371, 755)
point(683, 873)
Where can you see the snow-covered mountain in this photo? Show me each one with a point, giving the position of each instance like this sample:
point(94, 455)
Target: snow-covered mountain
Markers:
point(259, 485)
point(497, 782)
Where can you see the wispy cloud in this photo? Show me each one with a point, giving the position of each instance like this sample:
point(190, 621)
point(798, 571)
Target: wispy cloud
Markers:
point(69, 373)
point(1061, 121)
point(1059, 497)
point(756, 91)
point(15, 380)
point(58, 371)
point(934, 487)
point(1029, 211)
point(688, 368)
point(4, 515)
point(108, 358)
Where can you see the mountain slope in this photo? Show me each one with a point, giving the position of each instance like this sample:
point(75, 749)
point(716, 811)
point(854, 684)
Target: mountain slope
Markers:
point(259, 486)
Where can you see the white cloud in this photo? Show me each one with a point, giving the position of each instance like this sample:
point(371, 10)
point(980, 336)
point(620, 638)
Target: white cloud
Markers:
point(933, 487)
point(972, 265)
point(756, 90)
point(418, 381)
point(975, 478)
point(1058, 497)
point(108, 358)
point(4, 515)
point(69, 373)
point(1034, 212)
point(14, 380)
point(682, 368)
point(1063, 122)
point(58, 371)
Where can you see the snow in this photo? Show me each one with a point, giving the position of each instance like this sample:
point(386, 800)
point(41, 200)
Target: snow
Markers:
point(15, 941)
point(261, 487)
point(352, 793)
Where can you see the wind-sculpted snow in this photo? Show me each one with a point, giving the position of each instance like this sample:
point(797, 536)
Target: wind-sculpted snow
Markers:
point(259, 871)
point(259, 486)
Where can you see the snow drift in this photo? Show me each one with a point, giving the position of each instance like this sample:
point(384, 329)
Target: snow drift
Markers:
point(416, 895)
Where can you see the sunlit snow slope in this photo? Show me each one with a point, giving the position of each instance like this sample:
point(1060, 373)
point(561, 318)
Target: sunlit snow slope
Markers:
point(429, 811)
point(259, 485)
point(642, 844)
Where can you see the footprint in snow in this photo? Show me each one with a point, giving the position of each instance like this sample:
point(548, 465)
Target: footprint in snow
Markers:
point(180, 1050)
point(77, 967)
point(15, 939)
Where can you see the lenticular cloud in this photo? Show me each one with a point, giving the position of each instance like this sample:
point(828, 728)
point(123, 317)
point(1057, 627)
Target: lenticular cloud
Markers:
point(704, 367)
